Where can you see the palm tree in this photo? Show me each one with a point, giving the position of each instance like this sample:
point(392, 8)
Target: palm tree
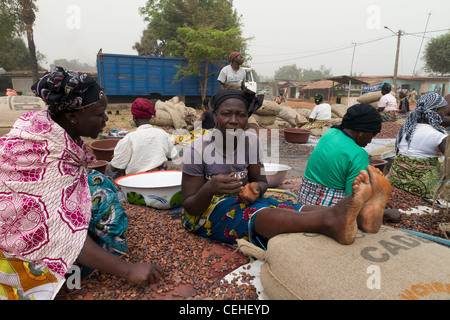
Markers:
point(29, 17)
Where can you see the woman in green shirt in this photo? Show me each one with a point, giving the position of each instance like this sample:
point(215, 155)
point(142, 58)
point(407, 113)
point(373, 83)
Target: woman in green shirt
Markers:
point(339, 157)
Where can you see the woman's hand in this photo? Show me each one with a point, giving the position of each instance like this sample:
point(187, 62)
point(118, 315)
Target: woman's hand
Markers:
point(144, 274)
point(250, 193)
point(226, 184)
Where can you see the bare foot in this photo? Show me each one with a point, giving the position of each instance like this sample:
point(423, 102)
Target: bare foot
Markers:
point(371, 216)
point(347, 210)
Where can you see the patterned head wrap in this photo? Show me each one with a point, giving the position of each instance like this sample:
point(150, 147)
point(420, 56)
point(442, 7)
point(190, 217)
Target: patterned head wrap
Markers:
point(67, 91)
point(425, 109)
point(361, 117)
point(233, 56)
point(318, 97)
point(252, 101)
point(143, 109)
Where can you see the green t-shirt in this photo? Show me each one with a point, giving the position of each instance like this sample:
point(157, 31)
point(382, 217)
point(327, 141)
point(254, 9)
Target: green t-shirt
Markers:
point(336, 161)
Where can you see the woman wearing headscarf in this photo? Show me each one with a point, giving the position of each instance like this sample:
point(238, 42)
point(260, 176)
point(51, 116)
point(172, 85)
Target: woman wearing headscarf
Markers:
point(53, 212)
point(233, 75)
point(338, 158)
point(223, 186)
point(416, 168)
point(147, 148)
point(320, 115)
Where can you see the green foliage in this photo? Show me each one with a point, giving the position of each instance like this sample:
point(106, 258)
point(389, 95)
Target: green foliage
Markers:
point(165, 17)
point(437, 55)
point(203, 46)
point(73, 64)
point(11, 23)
point(294, 73)
point(14, 55)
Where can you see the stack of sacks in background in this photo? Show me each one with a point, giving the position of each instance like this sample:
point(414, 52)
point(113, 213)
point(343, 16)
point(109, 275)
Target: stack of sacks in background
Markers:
point(273, 116)
point(371, 98)
point(172, 113)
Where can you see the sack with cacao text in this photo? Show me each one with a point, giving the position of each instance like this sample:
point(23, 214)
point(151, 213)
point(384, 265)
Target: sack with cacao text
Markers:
point(388, 265)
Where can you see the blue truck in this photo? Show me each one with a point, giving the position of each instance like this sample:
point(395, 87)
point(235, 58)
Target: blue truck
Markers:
point(126, 77)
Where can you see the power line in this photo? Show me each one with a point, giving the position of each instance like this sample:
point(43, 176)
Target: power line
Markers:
point(420, 48)
point(326, 52)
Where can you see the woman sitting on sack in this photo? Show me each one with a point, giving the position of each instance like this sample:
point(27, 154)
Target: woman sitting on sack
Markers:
point(416, 168)
point(338, 158)
point(223, 187)
point(320, 115)
point(50, 216)
point(387, 105)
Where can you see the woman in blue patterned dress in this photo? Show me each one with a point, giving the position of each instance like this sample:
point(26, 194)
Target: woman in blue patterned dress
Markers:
point(223, 188)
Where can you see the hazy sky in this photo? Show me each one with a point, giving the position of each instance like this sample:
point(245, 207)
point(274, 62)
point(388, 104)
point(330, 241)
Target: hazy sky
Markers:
point(306, 33)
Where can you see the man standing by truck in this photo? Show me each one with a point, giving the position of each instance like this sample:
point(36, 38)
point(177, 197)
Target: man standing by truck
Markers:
point(233, 75)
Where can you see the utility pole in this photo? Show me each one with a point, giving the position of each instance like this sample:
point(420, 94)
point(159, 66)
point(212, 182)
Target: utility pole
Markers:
point(399, 35)
point(353, 57)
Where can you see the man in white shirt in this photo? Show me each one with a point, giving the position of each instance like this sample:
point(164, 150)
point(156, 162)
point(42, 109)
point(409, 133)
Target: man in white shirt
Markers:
point(146, 149)
point(233, 76)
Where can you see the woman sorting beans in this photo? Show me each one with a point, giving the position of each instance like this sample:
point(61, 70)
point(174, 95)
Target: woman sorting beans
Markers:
point(53, 212)
point(223, 186)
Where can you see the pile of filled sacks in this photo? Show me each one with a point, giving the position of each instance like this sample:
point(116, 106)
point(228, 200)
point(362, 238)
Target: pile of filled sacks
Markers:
point(173, 113)
point(274, 116)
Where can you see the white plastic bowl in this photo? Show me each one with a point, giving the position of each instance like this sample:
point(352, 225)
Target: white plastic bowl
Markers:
point(275, 173)
point(157, 189)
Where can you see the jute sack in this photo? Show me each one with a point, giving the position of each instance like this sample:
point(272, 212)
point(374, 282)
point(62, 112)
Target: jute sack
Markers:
point(162, 119)
point(391, 264)
point(304, 112)
point(338, 110)
point(269, 108)
point(12, 107)
point(288, 114)
point(263, 121)
point(370, 97)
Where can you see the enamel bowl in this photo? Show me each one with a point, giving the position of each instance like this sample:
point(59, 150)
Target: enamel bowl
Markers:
point(156, 189)
point(275, 173)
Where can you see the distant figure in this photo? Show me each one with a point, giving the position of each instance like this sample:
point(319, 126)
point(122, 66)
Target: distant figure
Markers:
point(146, 149)
point(387, 105)
point(403, 107)
point(413, 96)
point(321, 114)
point(280, 96)
point(233, 75)
point(207, 117)
point(446, 120)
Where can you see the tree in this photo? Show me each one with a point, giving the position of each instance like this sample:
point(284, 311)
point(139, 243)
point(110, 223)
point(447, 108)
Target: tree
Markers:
point(11, 24)
point(14, 55)
point(202, 47)
point(73, 64)
point(294, 73)
point(164, 17)
point(291, 72)
point(437, 55)
point(28, 18)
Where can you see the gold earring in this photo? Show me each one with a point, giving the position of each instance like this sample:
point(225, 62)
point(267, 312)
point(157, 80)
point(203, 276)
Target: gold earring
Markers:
point(360, 134)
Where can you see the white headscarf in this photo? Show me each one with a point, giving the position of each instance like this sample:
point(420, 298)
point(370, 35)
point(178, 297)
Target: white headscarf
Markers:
point(425, 109)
